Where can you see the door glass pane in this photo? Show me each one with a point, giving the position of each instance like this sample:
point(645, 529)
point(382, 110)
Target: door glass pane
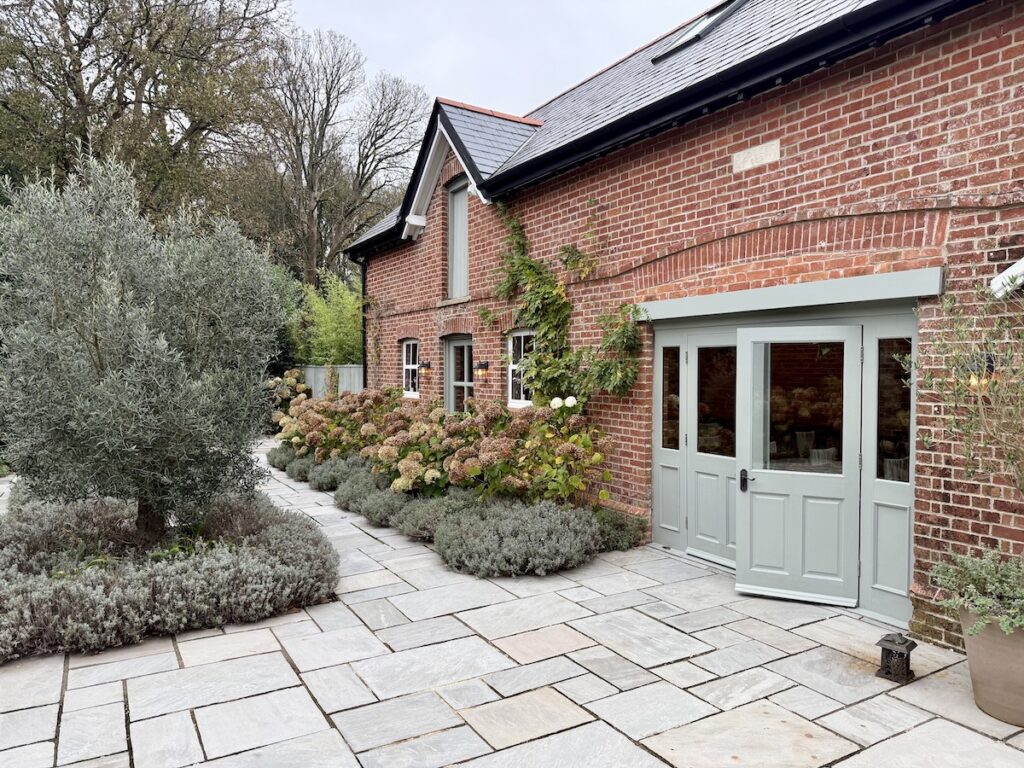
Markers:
point(459, 374)
point(670, 398)
point(799, 411)
point(716, 400)
point(893, 411)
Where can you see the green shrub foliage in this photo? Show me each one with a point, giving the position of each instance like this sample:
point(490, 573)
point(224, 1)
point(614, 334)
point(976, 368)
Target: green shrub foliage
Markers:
point(991, 587)
point(72, 579)
point(133, 355)
point(419, 518)
point(298, 469)
point(382, 508)
point(355, 489)
point(620, 530)
point(280, 456)
point(329, 475)
point(515, 539)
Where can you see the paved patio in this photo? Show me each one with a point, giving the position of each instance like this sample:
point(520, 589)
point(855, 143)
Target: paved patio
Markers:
point(636, 659)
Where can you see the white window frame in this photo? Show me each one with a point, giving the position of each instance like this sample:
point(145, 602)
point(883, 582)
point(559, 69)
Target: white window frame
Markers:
point(413, 367)
point(459, 188)
point(513, 367)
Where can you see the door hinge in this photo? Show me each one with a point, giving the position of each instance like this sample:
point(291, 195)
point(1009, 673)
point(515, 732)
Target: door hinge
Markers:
point(686, 357)
point(860, 461)
point(862, 354)
point(686, 523)
point(686, 439)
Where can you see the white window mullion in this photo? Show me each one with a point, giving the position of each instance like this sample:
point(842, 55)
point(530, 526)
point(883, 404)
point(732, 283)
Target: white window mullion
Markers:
point(411, 368)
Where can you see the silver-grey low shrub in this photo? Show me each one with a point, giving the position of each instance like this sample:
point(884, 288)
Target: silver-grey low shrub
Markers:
point(419, 518)
point(69, 580)
point(299, 469)
point(281, 456)
point(514, 539)
point(330, 474)
point(357, 487)
point(383, 507)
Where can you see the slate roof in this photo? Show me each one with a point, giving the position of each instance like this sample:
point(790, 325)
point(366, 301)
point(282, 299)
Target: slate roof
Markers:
point(635, 81)
point(386, 222)
point(490, 138)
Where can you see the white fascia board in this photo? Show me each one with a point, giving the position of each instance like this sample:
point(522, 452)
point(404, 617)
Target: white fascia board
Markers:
point(1008, 281)
point(909, 284)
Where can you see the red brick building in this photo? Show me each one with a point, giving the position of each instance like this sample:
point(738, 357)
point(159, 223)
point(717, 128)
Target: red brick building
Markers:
point(788, 189)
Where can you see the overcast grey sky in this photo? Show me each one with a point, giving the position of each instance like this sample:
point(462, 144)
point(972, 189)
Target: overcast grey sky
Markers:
point(509, 56)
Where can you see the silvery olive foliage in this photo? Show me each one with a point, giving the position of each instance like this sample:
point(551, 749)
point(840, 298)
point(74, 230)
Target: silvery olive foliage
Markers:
point(133, 354)
point(73, 579)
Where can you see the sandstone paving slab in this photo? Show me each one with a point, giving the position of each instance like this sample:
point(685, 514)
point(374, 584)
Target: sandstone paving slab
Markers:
point(668, 570)
point(120, 760)
point(659, 609)
point(376, 593)
point(683, 674)
point(258, 721)
point(269, 623)
point(696, 594)
point(431, 603)
point(298, 629)
point(640, 639)
point(736, 658)
point(619, 602)
point(26, 726)
point(194, 687)
point(122, 670)
point(596, 567)
point(525, 717)
point(948, 693)
point(938, 744)
point(395, 554)
point(198, 634)
point(430, 667)
point(834, 674)
point(434, 750)
point(395, 720)
point(786, 614)
point(151, 647)
point(471, 693)
point(529, 586)
point(414, 561)
point(369, 580)
point(544, 643)
point(858, 638)
point(807, 703)
point(612, 668)
point(324, 749)
point(522, 615)
point(38, 755)
point(871, 721)
point(579, 594)
point(224, 647)
point(595, 745)
point(31, 682)
point(631, 556)
point(337, 688)
point(742, 688)
point(616, 583)
point(704, 618)
point(720, 637)
point(426, 632)
point(169, 741)
point(441, 576)
point(586, 688)
point(89, 733)
point(329, 649)
point(776, 637)
point(757, 735)
point(379, 614)
point(353, 562)
point(654, 708)
point(1017, 741)
point(520, 679)
point(97, 695)
point(332, 616)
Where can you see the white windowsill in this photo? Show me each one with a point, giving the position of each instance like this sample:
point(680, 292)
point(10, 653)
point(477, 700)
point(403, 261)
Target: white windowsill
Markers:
point(450, 302)
point(411, 395)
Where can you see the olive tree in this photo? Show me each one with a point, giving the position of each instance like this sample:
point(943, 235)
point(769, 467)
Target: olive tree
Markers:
point(133, 354)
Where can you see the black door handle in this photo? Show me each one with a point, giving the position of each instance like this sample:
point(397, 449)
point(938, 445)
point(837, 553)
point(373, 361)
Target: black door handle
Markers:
point(744, 479)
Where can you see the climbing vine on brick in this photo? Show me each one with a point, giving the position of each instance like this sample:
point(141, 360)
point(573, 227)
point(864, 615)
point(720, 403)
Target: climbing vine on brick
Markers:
point(553, 368)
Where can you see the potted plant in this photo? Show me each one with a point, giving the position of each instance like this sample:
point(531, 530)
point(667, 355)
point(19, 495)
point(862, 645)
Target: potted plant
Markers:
point(979, 392)
point(987, 593)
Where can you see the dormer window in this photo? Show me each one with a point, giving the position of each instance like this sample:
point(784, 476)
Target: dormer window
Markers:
point(458, 240)
point(699, 28)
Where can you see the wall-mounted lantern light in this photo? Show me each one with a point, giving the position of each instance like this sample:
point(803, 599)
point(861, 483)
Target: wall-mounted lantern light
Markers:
point(424, 367)
point(480, 369)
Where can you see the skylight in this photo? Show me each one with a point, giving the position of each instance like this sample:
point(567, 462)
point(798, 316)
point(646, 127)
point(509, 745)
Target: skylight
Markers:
point(699, 28)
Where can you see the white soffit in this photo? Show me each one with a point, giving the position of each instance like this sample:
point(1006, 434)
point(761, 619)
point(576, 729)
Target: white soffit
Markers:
point(910, 284)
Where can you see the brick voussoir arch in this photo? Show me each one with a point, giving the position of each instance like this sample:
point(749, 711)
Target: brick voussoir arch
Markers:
point(456, 326)
point(408, 331)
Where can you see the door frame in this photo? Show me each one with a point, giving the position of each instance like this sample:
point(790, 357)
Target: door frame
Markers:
point(451, 343)
point(868, 314)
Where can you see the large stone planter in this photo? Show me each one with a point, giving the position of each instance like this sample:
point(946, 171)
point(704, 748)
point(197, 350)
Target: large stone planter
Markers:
point(996, 662)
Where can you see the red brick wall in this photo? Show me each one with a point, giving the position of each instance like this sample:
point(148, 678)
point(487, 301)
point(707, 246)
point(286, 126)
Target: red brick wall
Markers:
point(907, 156)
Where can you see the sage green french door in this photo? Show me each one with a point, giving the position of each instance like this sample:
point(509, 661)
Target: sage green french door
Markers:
point(669, 460)
point(798, 436)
